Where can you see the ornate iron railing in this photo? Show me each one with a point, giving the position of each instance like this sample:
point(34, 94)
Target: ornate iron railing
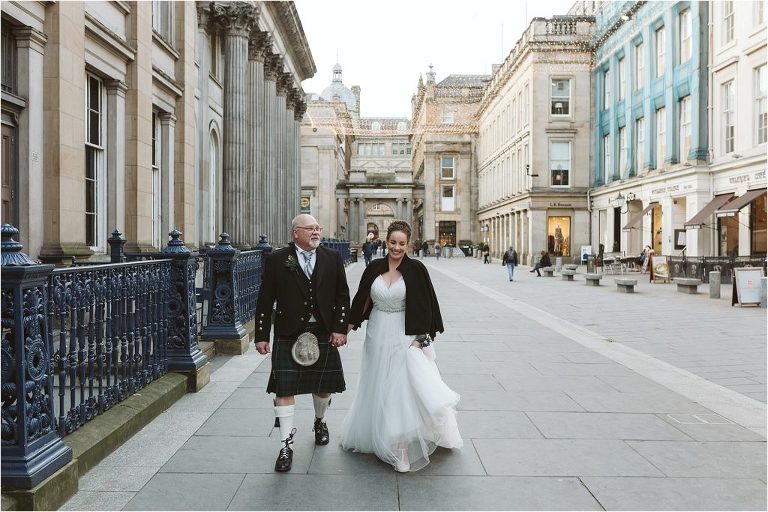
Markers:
point(247, 283)
point(108, 332)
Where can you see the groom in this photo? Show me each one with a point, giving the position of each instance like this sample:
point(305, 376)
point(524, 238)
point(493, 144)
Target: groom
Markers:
point(309, 285)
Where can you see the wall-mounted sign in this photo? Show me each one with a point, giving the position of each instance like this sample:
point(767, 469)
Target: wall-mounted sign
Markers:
point(305, 204)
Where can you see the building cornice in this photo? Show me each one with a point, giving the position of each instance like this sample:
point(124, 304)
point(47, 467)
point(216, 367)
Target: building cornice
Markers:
point(287, 17)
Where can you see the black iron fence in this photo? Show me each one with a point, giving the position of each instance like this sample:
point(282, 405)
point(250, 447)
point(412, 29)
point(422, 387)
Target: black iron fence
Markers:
point(339, 245)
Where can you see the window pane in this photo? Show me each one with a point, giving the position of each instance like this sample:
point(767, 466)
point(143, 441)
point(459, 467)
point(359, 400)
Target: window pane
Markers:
point(561, 94)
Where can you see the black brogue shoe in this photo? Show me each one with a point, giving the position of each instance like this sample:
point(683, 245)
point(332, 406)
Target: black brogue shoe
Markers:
point(321, 432)
point(285, 457)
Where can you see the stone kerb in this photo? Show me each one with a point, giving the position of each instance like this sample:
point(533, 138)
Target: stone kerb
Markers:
point(224, 327)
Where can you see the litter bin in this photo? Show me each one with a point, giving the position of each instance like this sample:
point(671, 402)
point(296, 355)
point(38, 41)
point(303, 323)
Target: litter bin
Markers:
point(353, 255)
point(466, 249)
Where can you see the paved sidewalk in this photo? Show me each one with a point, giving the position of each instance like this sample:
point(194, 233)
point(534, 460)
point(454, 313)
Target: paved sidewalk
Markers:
point(573, 397)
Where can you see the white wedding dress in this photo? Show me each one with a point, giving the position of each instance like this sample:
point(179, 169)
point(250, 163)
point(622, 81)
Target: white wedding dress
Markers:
point(403, 410)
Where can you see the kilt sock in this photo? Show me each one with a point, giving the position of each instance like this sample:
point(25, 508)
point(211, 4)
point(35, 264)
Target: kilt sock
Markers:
point(321, 405)
point(285, 414)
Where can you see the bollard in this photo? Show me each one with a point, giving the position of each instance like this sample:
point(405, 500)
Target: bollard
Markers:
point(763, 291)
point(714, 285)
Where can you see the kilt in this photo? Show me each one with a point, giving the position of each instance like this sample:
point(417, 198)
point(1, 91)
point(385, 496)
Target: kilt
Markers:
point(288, 378)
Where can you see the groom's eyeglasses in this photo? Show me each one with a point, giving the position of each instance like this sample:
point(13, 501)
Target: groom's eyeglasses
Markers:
point(312, 229)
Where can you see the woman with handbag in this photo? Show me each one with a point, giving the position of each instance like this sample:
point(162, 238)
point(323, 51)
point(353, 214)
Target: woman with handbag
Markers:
point(403, 410)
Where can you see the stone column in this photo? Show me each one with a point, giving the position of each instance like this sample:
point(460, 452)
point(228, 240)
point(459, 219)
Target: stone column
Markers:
point(352, 227)
point(30, 45)
point(291, 206)
point(399, 209)
point(205, 32)
point(167, 178)
point(237, 19)
point(116, 154)
point(270, 145)
point(298, 113)
point(361, 224)
point(257, 197)
point(282, 178)
point(340, 220)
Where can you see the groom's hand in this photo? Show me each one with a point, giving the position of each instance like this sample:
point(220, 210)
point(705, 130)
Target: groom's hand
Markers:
point(262, 347)
point(338, 339)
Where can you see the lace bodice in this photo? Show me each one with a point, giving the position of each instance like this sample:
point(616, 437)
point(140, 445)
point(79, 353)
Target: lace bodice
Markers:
point(392, 299)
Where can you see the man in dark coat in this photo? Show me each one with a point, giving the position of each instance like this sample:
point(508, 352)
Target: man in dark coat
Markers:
point(368, 248)
point(309, 285)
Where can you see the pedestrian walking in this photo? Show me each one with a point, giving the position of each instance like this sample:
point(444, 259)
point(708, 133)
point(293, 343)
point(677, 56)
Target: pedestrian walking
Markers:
point(309, 284)
point(424, 248)
point(437, 251)
point(368, 249)
point(510, 260)
point(403, 410)
point(486, 255)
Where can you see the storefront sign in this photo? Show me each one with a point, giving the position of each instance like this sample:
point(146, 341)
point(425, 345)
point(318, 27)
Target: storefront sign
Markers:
point(662, 190)
point(560, 204)
point(746, 178)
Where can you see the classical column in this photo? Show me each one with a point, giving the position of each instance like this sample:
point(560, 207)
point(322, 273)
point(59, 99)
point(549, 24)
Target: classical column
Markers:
point(399, 209)
point(167, 178)
point(115, 153)
point(30, 45)
point(340, 220)
point(205, 33)
point(237, 19)
point(351, 228)
point(269, 158)
point(257, 197)
point(282, 178)
point(361, 224)
point(298, 113)
point(291, 206)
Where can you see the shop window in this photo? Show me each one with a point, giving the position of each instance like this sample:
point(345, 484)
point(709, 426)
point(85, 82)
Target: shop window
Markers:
point(559, 236)
point(728, 235)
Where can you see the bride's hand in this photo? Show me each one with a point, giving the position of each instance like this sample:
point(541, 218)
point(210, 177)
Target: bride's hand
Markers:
point(416, 344)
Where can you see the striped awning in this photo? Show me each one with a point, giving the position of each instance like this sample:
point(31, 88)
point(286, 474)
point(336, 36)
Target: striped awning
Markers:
point(635, 220)
point(732, 207)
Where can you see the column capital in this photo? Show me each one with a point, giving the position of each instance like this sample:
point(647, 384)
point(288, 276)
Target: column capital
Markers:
point(236, 18)
point(205, 14)
point(273, 66)
point(299, 109)
point(167, 118)
point(30, 38)
point(116, 87)
point(284, 83)
point(259, 43)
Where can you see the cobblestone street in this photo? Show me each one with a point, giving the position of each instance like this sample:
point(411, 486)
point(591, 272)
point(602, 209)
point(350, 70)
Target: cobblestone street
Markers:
point(573, 397)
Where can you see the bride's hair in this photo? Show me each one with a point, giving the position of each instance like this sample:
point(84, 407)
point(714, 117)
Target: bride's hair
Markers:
point(399, 225)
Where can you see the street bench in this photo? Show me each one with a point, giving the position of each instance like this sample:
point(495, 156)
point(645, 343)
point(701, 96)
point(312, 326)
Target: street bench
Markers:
point(568, 274)
point(548, 271)
point(593, 279)
point(625, 285)
point(571, 266)
point(687, 284)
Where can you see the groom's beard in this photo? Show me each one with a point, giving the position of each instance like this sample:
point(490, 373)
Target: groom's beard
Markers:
point(314, 244)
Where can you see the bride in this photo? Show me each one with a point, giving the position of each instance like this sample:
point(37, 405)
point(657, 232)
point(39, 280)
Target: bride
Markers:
point(403, 410)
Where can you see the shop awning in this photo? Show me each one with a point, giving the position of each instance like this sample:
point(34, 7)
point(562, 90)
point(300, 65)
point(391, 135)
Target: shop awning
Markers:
point(698, 220)
point(635, 220)
point(732, 208)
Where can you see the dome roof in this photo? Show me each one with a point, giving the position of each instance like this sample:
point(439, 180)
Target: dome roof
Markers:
point(337, 91)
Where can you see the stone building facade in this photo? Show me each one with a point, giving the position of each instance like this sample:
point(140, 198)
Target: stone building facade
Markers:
point(533, 144)
point(679, 138)
point(444, 139)
point(145, 116)
point(356, 172)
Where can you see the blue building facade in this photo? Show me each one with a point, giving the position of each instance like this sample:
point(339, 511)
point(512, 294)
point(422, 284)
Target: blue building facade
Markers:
point(650, 88)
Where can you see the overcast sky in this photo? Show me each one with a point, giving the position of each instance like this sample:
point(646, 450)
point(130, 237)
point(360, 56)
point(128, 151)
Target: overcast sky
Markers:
point(384, 46)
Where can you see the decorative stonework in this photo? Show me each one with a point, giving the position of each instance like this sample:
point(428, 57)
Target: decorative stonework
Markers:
point(259, 43)
point(273, 65)
point(237, 18)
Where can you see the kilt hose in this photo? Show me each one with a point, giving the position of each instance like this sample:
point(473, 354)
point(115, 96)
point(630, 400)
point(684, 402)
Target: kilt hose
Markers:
point(288, 378)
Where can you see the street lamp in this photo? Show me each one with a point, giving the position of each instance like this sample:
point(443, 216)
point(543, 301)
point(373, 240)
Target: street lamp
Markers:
point(620, 200)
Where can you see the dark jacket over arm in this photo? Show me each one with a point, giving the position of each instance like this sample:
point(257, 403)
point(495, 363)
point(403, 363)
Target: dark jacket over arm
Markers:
point(422, 311)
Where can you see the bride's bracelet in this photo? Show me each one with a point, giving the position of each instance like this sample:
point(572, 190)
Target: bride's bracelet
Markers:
point(424, 340)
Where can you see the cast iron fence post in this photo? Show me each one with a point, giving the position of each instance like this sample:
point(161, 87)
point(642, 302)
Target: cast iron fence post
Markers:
point(184, 354)
point(116, 243)
point(32, 449)
point(263, 245)
point(224, 327)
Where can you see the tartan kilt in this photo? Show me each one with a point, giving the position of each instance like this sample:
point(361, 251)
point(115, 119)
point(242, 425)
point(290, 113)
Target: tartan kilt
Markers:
point(288, 378)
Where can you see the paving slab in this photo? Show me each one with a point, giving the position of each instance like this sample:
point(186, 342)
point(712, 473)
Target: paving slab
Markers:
point(705, 459)
point(317, 492)
point(184, 491)
point(632, 493)
point(494, 493)
point(562, 457)
point(589, 425)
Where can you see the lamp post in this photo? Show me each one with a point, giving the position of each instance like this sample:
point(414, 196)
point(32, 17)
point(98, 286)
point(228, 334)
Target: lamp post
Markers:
point(620, 200)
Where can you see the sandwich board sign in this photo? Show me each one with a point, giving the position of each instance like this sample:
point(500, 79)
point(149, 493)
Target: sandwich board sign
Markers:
point(659, 268)
point(747, 285)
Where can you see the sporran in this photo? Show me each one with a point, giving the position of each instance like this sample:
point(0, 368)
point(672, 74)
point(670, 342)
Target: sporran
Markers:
point(306, 349)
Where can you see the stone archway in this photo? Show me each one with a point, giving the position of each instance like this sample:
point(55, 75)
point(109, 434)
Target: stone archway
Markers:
point(380, 214)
